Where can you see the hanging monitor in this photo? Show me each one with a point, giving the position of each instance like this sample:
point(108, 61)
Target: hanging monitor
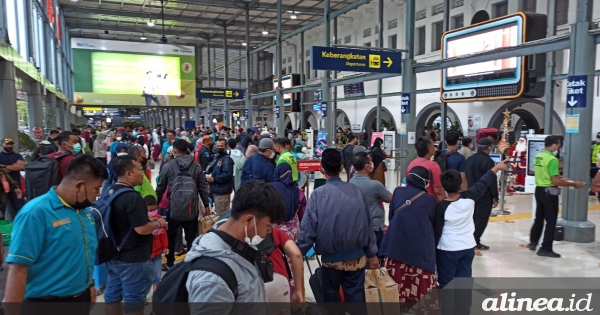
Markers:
point(497, 79)
point(291, 101)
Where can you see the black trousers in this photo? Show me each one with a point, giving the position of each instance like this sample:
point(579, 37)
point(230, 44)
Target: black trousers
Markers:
point(76, 305)
point(481, 216)
point(190, 228)
point(546, 209)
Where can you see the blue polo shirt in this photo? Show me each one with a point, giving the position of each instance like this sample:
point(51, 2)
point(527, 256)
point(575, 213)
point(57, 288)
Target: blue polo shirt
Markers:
point(165, 150)
point(57, 243)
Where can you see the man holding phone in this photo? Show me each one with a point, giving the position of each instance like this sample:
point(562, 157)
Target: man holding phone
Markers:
point(547, 182)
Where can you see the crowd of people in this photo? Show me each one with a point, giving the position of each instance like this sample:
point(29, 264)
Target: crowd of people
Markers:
point(436, 220)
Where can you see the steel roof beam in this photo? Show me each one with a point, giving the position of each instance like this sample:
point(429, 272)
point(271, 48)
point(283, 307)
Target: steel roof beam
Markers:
point(123, 27)
point(143, 15)
point(265, 6)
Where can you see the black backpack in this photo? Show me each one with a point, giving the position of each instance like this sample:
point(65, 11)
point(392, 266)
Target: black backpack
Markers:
point(41, 175)
point(442, 159)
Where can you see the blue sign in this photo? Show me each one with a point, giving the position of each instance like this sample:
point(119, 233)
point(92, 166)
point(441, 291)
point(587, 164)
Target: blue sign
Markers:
point(405, 103)
point(318, 95)
point(277, 111)
point(208, 117)
point(220, 93)
point(317, 107)
point(324, 109)
point(355, 60)
point(577, 91)
point(353, 90)
point(246, 114)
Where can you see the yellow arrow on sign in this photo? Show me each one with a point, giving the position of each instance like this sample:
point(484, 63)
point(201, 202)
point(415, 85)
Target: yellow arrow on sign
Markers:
point(237, 94)
point(388, 62)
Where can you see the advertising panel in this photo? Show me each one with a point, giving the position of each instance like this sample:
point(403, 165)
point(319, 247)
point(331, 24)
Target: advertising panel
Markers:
point(116, 73)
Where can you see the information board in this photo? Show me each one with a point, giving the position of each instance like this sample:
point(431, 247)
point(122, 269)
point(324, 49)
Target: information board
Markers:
point(355, 60)
point(220, 93)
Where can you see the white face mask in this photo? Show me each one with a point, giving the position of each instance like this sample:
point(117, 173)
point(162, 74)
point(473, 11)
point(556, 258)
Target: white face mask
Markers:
point(256, 239)
point(121, 153)
point(119, 138)
point(272, 156)
point(372, 166)
point(425, 181)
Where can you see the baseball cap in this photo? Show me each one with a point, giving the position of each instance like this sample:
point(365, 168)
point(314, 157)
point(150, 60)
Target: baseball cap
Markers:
point(266, 143)
point(360, 148)
point(265, 133)
point(8, 141)
point(141, 128)
point(486, 141)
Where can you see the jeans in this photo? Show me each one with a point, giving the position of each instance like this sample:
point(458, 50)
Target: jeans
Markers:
point(128, 282)
point(353, 286)
point(149, 98)
point(451, 265)
point(157, 266)
point(546, 209)
point(190, 229)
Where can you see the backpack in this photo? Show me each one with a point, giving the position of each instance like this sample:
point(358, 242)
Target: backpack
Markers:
point(101, 211)
point(442, 159)
point(183, 197)
point(41, 175)
point(245, 141)
point(171, 296)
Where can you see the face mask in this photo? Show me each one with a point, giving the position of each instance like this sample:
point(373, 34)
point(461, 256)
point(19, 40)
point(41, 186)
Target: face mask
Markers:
point(121, 153)
point(220, 151)
point(425, 181)
point(256, 239)
point(555, 152)
point(272, 156)
point(76, 148)
point(151, 214)
point(364, 130)
point(372, 166)
point(8, 150)
point(144, 162)
point(83, 204)
point(119, 138)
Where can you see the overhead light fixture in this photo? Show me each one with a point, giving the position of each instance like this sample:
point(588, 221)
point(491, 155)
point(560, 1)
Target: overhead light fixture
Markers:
point(244, 44)
point(150, 23)
point(293, 16)
point(265, 32)
point(143, 37)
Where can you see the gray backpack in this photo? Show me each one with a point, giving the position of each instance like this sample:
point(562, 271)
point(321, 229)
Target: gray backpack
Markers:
point(183, 197)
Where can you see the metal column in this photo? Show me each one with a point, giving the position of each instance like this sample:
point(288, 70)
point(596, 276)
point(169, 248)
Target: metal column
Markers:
point(180, 117)
point(574, 219)
point(444, 106)
point(50, 104)
point(302, 82)
point(35, 107)
point(9, 119)
point(248, 101)
point(409, 85)
point(60, 113)
point(380, 81)
point(326, 94)
point(279, 122)
point(549, 84)
point(226, 112)
point(66, 111)
point(198, 83)
point(209, 110)
point(333, 109)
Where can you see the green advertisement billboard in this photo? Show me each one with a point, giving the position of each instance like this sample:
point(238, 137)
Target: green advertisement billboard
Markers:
point(115, 73)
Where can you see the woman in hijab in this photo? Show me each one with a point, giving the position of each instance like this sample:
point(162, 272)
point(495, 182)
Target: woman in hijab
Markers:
point(289, 191)
point(409, 243)
point(378, 156)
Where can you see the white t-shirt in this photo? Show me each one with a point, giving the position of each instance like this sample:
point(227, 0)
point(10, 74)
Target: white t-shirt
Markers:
point(459, 226)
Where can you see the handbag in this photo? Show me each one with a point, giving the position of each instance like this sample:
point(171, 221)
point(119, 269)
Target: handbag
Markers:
point(595, 187)
point(5, 184)
point(409, 202)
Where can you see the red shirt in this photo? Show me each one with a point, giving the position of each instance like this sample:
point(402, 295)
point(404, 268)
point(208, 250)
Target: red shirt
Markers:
point(434, 168)
point(63, 162)
point(160, 242)
point(276, 256)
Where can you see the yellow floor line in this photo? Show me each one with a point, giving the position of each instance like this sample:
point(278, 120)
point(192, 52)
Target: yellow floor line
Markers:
point(528, 215)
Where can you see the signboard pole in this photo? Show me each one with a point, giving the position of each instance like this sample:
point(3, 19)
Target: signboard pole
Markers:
point(209, 110)
point(444, 107)
point(248, 101)
point(330, 121)
point(380, 81)
point(302, 81)
point(582, 54)
point(279, 122)
point(226, 120)
point(409, 85)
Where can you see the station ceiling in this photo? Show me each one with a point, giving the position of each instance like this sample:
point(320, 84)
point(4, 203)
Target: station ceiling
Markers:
point(188, 22)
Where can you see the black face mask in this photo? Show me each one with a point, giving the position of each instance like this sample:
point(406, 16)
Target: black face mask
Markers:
point(79, 205)
point(144, 162)
point(8, 150)
point(220, 151)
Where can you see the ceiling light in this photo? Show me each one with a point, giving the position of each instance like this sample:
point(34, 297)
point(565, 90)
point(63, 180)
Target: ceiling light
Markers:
point(150, 23)
point(244, 44)
point(143, 38)
point(293, 16)
point(265, 32)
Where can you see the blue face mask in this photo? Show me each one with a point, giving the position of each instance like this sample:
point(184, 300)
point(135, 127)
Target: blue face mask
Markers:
point(76, 149)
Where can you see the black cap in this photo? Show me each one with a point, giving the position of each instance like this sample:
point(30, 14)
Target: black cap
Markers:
point(485, 141)
point(331, 160)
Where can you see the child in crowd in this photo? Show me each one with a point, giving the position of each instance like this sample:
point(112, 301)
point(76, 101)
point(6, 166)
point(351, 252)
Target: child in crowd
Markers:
point(160, 245)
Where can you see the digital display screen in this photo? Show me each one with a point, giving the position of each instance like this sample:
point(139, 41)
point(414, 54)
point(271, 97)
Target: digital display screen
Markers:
point(286, 83)
point(113, 73)
point(496, 35)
